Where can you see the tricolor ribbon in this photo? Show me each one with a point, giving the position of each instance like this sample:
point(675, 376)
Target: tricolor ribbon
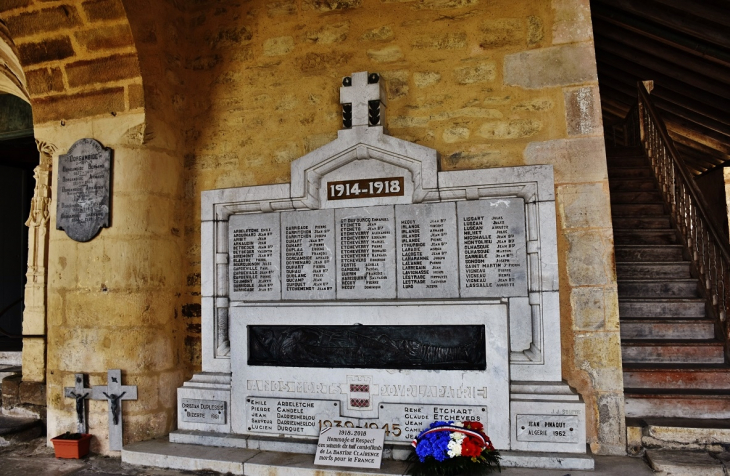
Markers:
point(457, 429)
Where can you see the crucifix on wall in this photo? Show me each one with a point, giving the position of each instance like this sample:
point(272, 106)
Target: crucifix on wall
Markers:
point(80, 394)
point(114, 393)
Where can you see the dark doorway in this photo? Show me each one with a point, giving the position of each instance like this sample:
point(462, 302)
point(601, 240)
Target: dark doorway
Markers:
point(18, 158)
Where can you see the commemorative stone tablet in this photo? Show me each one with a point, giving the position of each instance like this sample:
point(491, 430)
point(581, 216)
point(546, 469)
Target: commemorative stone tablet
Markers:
point(255, 265)
point(427, 254)
point(366, 253)
point(84, 190)
point(308, 255)
point(492, 248)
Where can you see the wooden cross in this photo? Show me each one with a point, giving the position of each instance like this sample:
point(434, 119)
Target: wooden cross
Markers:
point(114, 392)
point(80, 394)
point(359, 94)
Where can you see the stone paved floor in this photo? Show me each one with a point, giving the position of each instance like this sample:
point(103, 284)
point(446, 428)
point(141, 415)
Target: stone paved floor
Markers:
point(35, 459)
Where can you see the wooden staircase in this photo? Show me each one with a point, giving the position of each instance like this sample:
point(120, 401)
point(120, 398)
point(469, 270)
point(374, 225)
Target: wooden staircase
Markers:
point(674, 366)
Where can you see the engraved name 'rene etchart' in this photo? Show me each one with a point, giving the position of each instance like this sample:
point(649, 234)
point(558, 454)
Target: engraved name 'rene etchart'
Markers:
point(84, 179)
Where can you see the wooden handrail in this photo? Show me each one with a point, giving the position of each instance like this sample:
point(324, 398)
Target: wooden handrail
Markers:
point(694, 190)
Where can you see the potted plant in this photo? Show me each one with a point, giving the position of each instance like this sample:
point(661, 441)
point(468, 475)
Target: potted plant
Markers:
point(71, 445)
point(448, 448)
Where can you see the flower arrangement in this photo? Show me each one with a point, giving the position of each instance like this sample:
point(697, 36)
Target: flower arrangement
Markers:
point(448, 448)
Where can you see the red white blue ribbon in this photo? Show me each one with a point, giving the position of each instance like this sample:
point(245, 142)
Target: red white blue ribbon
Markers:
point(452, 429)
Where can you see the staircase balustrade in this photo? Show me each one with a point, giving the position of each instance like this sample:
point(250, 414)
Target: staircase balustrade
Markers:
point(710, 254)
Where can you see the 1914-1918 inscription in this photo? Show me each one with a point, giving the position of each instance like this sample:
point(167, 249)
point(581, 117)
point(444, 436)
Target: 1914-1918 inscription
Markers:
point(84, 190)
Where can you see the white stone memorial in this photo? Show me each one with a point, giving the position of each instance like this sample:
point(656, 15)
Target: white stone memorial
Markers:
point(374, 291)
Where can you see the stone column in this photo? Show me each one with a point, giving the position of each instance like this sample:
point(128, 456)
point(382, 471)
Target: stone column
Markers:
point(34, 315)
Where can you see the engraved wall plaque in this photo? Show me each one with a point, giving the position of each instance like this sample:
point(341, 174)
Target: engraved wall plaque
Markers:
point(84, 188)
point(203, 411)
point(427, 251)
point(255, 261)
point(366, 253)
point(492, 250)
point(308, 255)
point(548, 428)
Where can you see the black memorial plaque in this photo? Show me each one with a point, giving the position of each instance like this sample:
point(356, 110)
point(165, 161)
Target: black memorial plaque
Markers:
point(373, 347)
point(84, 183)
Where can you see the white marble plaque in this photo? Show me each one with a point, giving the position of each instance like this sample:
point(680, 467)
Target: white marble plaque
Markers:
point(427, 251)
point(255, 257)
point(411, 419)
point(287, 416)
point(308, 255)
point(350, 447)
point(366, 253)
point(492, 250)
point(548, 428)
point(203, 411)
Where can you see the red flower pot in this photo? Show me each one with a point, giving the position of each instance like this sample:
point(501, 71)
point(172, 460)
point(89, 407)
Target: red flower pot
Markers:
point(71, 448)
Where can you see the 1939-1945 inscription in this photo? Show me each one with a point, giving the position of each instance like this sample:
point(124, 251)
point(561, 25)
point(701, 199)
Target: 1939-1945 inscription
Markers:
point(84, 189)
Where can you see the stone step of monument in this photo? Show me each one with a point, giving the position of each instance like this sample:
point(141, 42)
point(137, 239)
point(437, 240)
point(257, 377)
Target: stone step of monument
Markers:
point(651, 288)
point(630, 172)
point(692, 403)
point(644, 237)
point(621, 199)
point(253, 462)
point(649, 253)
point(667, 329)
point(643, 222)
point(670, 308)
point(14, 430)
point(672, 351)
point(684, 463)
point(632, 185)
point(654, 269)
point(628, 210)
point(675, 376)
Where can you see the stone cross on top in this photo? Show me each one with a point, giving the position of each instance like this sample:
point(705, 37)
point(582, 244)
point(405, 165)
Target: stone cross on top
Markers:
point(363, 100)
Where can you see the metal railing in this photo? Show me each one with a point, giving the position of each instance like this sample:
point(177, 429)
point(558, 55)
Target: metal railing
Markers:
point(710, 253)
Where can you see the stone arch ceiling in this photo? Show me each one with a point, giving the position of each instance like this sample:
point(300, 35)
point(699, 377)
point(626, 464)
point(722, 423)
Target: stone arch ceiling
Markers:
point(684, 47)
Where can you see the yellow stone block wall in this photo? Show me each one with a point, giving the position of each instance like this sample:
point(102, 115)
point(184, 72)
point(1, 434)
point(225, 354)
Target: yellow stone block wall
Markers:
point(231, 92)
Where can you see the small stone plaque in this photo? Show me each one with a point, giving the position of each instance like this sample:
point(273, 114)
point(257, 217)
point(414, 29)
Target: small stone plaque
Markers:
point(350, 447)
point(366, 253)
point(308, 255)
point(203, 411)
point(492, 250)
point(427, 251)
point(255, 262)
point(84, 190)
point(548, 428)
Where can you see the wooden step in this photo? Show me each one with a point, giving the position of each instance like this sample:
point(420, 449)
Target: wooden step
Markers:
point(630, 172)
point(677, 377)
point(644, 237)
point(644, 288)
point(629, 185)
point(668, 352)
point(647, 197)
point(633, 209)
point(625, 253)
point(629, 161)
point(641, 403)
point(669, 308)
point(667, 329)
point(642, 222)
point(653, 270)
point(624, 151)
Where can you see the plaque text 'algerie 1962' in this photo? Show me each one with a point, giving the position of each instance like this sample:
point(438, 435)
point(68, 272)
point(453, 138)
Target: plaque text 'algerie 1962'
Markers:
point(83, 190)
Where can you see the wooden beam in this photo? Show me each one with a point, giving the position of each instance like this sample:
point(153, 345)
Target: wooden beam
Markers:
point(697, 155)
point(696, 132)
point(630, 74)
point(662, 66)
point(705, 9)
point(660, 51)
point(693, 117)
point(689, 24)
point(709, 151)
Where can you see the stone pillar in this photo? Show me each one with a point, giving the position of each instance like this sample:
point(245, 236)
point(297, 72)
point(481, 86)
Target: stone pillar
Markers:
point(34, 315)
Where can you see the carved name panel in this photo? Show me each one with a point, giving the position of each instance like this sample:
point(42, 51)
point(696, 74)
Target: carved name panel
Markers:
point(255, 262)
point(549, 428)
point(203, 411)
point(84, 190)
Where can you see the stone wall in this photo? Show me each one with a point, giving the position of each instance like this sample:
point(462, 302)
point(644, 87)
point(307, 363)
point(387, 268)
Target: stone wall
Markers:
point(227, 94)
